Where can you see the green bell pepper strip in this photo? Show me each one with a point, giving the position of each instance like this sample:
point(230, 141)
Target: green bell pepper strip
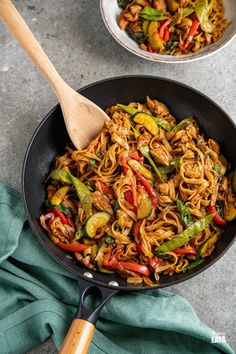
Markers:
point(131, 110)
point(183, 124)
point(82, 190)
point(61, 175)
point(184, 212)
point(145, 152)
point(195, 263)
point(163, 170)
point(184, 237)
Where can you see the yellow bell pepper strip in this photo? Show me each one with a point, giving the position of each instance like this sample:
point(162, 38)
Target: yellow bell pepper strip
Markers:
point(149, 188)
point(145, 152)
point(217, 218)
point(135, 267)
point(61, 175)
point(72, 247)
point(128, 109)
point(195, 263)
point(60, 194)
point(138, 167)
point(163, 170)
point(184, 237)
point(192, 32)
point(184, 213)
point(183, 124)
point(150, 14)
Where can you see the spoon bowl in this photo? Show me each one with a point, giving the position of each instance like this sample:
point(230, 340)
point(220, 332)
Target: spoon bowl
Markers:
point(83, 119)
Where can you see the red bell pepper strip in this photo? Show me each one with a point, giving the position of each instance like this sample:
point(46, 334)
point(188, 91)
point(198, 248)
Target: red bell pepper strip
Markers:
point(164, 26)
point(154, 263)
point(134, 192)
point(191, 34)
point(136, 228)
point(135, 155)
point(70, 221)
point(139, 248)
point(151, 50)
point(105, 189)
point(135, 267)
point(217, 218)
point(149, 188)
point(166, 35)
point(129, 196)
point(72, 247)
point(58, 213)
point(185, 250)
point(123, 162)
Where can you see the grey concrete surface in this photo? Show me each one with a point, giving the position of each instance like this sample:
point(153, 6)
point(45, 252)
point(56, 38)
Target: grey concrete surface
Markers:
point(75, 38)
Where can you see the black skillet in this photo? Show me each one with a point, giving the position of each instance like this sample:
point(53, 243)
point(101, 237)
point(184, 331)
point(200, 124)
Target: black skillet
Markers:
point(49, 141)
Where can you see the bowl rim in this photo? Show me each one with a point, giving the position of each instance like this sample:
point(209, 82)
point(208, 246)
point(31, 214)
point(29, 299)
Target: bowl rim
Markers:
point(160, 58)
point(188, 276)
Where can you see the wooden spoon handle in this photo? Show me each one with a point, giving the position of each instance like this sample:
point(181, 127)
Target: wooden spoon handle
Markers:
point(78, 338)
point(15, 23)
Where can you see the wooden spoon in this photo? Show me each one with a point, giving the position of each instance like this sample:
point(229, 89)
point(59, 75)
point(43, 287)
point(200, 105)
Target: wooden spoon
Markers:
point(83, 119)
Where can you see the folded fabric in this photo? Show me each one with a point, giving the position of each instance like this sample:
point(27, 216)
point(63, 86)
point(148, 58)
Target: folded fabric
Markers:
point(38, 299)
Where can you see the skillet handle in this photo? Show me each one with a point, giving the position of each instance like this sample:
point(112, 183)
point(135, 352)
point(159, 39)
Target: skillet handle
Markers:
point(79, 336)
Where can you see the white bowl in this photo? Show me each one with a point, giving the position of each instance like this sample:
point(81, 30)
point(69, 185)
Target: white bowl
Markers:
point(110, 12)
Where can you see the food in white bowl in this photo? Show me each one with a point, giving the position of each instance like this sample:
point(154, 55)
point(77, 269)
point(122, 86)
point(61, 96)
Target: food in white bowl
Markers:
point(171, 30)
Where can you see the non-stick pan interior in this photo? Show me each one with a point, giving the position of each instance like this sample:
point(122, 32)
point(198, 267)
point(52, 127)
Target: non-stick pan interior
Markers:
point(51, 137)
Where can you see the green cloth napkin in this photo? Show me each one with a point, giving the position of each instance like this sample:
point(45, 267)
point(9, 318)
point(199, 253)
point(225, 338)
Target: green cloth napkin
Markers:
point(38, 299)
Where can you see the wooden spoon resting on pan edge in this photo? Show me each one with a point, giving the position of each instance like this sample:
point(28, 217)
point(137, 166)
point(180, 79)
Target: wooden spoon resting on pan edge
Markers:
point(83, 119)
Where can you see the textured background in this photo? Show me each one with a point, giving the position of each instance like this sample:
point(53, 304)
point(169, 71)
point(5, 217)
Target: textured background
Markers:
point(75, 38)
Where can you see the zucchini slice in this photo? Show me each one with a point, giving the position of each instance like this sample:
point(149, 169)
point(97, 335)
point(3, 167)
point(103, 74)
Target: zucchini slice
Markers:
point(147, 121)
point(95, 222)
